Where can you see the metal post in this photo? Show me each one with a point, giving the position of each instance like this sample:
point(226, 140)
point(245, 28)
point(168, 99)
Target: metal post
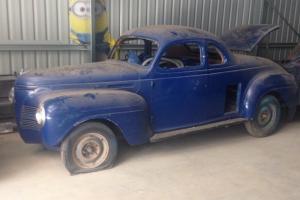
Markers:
point(93, 30)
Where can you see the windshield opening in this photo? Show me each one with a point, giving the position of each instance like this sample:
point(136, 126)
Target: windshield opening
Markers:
point(137, 51)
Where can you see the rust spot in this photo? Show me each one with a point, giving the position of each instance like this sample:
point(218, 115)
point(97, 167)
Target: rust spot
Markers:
point(91, 96)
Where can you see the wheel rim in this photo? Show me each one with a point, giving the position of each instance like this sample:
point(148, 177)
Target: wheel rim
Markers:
point(90, 150)
point(265, 116)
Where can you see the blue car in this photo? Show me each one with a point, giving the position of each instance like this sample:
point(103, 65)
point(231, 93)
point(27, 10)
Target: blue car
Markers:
point(159, 82)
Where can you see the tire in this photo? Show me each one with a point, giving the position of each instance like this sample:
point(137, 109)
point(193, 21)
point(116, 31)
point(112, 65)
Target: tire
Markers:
point(90, 147)
point(267, 118)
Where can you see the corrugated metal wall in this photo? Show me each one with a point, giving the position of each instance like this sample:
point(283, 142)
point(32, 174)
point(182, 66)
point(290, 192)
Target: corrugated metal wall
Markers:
point(35, 22)
point(46, 22)
point(289, 9)
point(216, 16)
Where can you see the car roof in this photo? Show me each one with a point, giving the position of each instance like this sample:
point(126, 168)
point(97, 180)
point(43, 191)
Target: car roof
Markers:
point(164, 34)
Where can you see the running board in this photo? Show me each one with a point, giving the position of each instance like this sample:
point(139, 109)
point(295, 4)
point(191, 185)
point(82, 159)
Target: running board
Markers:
point(161, 136)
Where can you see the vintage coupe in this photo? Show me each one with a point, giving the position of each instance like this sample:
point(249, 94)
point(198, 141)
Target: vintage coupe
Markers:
point(159, 82)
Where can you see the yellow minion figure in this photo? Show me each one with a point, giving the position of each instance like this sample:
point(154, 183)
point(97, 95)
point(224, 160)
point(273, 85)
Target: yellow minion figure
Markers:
point(79, 16)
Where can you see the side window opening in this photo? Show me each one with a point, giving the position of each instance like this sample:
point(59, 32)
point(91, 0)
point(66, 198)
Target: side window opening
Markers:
point(214, 55)
point(181, 56)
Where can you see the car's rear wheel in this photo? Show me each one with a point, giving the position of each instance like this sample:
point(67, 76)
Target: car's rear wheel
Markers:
point(267, 117)
point(90, 147)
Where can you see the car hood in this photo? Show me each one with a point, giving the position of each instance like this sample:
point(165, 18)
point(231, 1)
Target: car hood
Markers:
point(106, 71)
point(245, 38)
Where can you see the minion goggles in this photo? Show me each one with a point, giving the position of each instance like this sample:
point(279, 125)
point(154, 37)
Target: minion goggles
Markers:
point(82, 8)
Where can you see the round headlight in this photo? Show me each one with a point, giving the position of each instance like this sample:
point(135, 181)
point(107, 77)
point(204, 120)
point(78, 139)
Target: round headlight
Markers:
point(40, 116)
point(11, 96)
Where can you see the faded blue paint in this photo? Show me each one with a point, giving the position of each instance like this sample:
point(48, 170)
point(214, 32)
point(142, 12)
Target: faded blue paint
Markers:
point(142, 101)
point(164, 34)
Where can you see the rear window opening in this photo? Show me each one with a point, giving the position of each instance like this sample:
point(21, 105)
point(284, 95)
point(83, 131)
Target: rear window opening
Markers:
point(215, 56)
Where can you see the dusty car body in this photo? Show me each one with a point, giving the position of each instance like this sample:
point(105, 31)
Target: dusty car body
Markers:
point(184, 80)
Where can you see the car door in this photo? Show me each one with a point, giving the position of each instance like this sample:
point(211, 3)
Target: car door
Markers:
point(179, 87)
point(225, 83)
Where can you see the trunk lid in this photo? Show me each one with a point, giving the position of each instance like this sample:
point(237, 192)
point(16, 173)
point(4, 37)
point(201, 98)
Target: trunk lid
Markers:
point(245, 38)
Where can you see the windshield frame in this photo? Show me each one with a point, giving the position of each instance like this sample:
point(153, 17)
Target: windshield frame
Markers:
point(130, 37)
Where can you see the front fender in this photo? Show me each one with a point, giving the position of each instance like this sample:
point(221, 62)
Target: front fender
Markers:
point(283, 85)
point(67, 109)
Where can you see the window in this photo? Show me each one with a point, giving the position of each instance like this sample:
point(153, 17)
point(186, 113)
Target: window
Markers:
point(180, 56)
point(214, 55)
point(135, 51)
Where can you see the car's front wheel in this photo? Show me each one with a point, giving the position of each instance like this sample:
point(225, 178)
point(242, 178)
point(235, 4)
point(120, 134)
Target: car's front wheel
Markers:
point(267, 117)
point(90, 147)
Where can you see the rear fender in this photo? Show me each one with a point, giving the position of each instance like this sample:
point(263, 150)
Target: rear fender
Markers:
point(283, 86)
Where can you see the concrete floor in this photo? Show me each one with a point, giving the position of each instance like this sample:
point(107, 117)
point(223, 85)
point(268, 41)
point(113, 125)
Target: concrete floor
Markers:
point(220, 164)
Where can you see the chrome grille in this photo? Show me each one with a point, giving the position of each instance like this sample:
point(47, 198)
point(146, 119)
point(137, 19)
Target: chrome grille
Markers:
point(28, 120)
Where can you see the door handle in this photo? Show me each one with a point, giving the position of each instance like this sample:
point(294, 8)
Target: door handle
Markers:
point(152, 84)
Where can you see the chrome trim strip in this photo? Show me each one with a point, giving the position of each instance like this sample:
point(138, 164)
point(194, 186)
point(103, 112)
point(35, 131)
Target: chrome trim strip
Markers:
point(161, 136)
